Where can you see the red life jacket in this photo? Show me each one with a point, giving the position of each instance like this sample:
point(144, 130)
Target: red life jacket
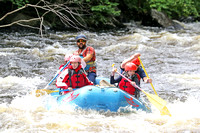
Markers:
point(76, 78)
point(126, 85)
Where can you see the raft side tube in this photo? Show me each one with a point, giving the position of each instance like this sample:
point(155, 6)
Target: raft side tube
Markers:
point(97, 98)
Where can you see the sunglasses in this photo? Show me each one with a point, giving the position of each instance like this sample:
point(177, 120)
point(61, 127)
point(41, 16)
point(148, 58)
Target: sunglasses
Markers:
point(81, 40)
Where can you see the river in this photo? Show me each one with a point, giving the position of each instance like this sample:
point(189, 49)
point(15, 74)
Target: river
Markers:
point(171, 58)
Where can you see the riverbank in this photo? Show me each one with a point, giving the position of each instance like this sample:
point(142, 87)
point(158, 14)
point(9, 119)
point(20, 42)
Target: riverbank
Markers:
point(92, 16)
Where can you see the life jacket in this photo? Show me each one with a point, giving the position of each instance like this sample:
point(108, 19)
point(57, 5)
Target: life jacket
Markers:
point(77, 78)
point(90, 65)
point(126, 85)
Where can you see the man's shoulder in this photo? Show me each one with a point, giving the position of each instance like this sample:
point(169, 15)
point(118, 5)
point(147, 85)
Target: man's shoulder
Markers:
point(89, 47)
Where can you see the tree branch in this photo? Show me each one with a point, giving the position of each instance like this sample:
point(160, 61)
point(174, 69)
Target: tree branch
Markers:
point(17, 22)
point(68, 16)
point(12, 12)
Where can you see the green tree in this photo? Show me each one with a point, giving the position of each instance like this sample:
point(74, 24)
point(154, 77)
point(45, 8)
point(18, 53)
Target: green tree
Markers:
point(99, 12)
point(19, 3)
point(175, 8)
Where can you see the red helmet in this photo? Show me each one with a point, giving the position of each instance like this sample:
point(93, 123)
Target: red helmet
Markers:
point(67, 57)
point(136, 61)
point(130, 66)
point(75, 58)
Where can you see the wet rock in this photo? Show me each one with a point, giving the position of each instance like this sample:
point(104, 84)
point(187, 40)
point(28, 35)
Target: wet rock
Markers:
point(165, 21)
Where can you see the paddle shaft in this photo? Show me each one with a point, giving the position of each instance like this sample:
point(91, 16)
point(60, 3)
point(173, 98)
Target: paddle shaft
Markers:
point(41, 92)
point(147, 75)
point(52, 91)
point(57, 75)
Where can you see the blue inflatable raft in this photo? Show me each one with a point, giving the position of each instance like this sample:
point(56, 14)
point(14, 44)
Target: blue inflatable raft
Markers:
point(99, 98)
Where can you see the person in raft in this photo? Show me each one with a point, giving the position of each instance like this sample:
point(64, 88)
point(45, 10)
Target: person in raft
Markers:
point(87, 53)
point(76, 77)
point(59, 81)
point(124, 84)
point(134, 59)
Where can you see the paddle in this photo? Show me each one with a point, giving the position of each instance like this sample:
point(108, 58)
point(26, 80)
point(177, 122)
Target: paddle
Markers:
point(154, 99)
point(41, 92)
point(45, 90)
point(57, 75)
point(105, 83)
point(147, 75)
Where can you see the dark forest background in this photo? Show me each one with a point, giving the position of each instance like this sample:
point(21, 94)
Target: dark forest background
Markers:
point(93, 14)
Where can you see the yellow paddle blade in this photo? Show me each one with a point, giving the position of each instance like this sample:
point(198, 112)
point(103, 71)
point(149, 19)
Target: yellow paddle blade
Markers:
point(158, 103)
point(113, 65)
point(41, 92)
point(165, 111)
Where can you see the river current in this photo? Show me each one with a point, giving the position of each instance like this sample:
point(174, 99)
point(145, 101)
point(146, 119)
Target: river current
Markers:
point(172, 60)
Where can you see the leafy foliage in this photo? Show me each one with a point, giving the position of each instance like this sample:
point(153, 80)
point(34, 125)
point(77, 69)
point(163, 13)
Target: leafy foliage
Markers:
point(19, 3)
point(100, 11)
point(137, 5)
point(175, 8)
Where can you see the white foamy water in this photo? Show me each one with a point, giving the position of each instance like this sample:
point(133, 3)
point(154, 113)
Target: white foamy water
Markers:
point(172, 60)
point(28, 114)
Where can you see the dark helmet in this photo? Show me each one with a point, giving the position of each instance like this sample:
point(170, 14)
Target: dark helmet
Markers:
point(81, 37)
